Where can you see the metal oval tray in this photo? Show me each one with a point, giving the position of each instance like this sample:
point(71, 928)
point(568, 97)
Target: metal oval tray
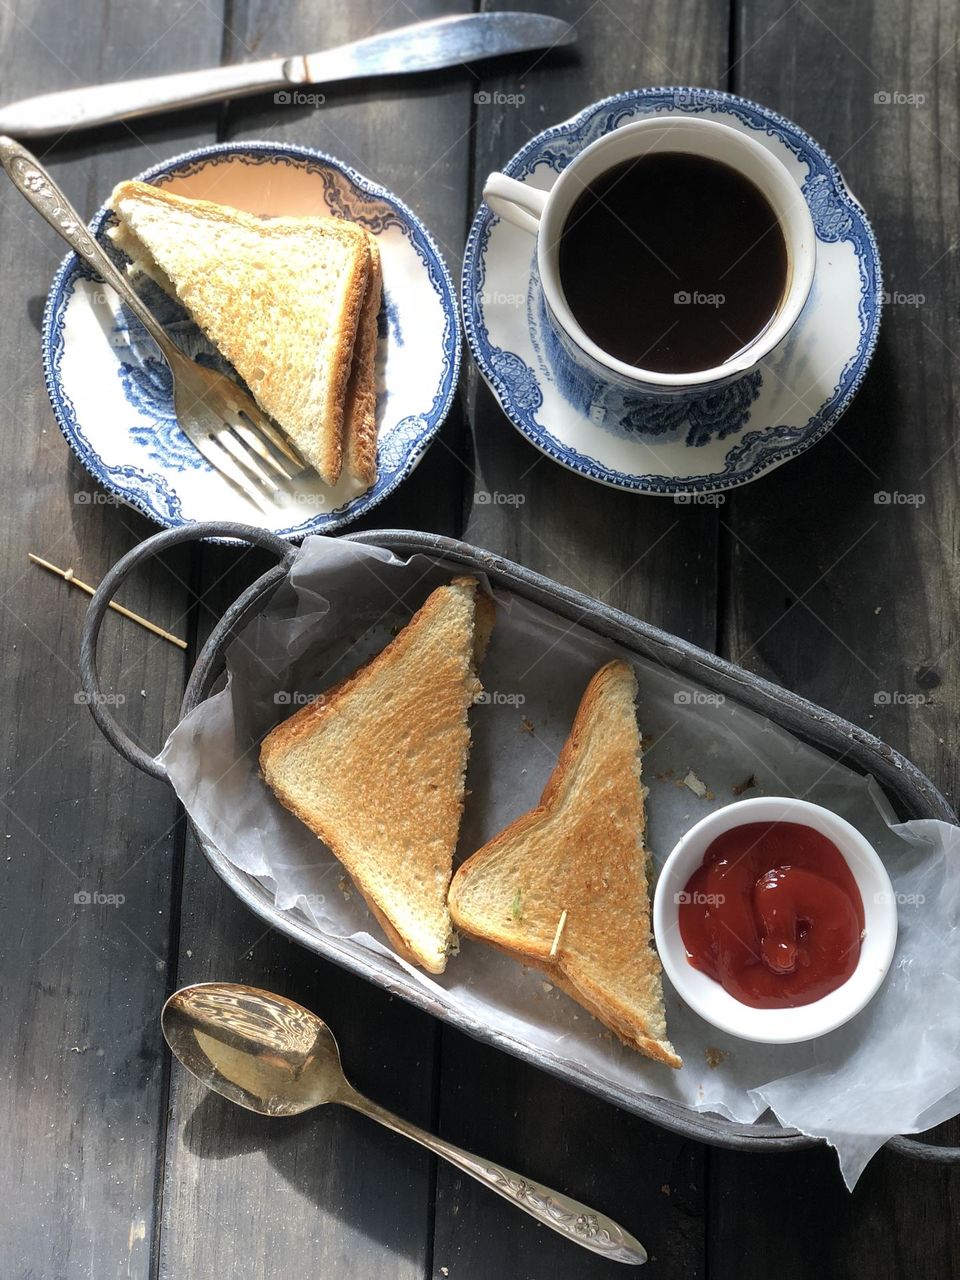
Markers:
point(910, 791)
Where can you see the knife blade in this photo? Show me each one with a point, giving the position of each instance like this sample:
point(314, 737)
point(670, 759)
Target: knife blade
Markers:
point(419, 46)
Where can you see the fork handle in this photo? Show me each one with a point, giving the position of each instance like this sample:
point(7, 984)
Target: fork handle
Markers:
point(37, 187)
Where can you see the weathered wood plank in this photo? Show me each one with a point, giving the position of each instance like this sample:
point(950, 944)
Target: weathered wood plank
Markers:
point(841, 597)
point(82, 983)
point(633, 552)
point(331, 1193)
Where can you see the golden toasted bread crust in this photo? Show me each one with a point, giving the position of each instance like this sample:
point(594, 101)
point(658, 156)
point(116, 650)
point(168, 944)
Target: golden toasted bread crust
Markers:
point(360, 413)
point(580, 851)
point(389, 746)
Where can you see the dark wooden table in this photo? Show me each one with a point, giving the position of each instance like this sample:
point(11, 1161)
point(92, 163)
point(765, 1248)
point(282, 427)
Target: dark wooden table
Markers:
point(111, 1164)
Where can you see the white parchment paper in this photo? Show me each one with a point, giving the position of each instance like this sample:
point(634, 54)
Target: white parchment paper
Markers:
point(894, 1069)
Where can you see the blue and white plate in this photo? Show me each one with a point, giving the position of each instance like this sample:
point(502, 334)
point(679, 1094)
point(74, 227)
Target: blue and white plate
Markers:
point(112, 393)
point(696, 445)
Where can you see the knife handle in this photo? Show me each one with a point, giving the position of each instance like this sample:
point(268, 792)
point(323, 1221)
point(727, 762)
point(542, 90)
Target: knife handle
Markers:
point(101, 104)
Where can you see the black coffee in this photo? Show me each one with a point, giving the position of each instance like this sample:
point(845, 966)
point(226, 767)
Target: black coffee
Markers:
point(672, 262)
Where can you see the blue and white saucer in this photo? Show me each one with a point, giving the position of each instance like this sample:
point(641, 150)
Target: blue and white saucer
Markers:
point(674, 446)
point(112, 393)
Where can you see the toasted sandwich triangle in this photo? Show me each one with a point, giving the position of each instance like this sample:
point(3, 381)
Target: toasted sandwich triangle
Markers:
point(376, 768)
point(581, 852)
point(280, 298)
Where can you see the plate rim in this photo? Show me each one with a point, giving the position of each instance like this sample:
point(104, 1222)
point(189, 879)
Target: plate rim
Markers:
point(72, 268)
point(645, 483)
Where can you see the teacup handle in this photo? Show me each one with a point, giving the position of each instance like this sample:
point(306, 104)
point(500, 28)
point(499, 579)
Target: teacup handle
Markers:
point(515, 202)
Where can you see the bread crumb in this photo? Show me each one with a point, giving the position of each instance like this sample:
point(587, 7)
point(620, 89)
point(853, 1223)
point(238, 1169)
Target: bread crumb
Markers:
point(665, 1188)
point(693, 783)
point(343, 884)
point(745, 785)
point(714, 1057)
point(526, 726)
point(546, 987)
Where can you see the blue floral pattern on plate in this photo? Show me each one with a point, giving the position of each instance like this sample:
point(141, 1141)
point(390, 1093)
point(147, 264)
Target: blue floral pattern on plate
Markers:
point(687, 445)
point(112, 395)
point(700, 419)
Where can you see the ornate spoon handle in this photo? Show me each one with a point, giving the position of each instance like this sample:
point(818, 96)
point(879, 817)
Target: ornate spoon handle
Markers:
point(37, 187)
point(569, 1217)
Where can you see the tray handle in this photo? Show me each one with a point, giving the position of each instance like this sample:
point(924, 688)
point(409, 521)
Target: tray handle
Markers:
point(109, 726)
point(927, 1152)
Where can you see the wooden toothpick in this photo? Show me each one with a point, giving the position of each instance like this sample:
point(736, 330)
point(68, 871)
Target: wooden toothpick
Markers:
point(555, 947)
point(68, 576)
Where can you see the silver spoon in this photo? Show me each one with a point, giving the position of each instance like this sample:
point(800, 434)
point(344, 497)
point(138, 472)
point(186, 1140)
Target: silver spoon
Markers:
point(277, 1058)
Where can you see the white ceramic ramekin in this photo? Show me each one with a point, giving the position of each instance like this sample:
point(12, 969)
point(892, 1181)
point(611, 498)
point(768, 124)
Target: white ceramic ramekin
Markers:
point(707, 997)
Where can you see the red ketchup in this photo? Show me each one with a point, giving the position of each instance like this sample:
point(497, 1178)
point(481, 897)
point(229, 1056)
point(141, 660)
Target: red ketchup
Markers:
point(773, 914)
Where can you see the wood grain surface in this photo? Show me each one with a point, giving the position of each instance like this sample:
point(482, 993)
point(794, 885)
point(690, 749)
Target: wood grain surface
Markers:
point(115, 1165)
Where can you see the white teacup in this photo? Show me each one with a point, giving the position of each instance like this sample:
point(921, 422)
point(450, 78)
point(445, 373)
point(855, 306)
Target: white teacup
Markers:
point(544, 213)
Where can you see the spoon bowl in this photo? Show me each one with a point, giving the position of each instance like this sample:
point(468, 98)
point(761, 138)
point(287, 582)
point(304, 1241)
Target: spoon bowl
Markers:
point(264, 1052)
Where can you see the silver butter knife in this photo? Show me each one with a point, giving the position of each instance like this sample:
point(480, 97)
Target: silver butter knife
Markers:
point(420, 46)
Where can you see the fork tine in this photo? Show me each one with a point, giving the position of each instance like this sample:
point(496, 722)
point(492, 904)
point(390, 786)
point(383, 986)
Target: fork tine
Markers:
point(262, 423)
point(255, 442)
point(228, 441)
point(210, 408)
point(221, 461)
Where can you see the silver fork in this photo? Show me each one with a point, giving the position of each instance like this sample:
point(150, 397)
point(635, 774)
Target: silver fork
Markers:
point(218, 417)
